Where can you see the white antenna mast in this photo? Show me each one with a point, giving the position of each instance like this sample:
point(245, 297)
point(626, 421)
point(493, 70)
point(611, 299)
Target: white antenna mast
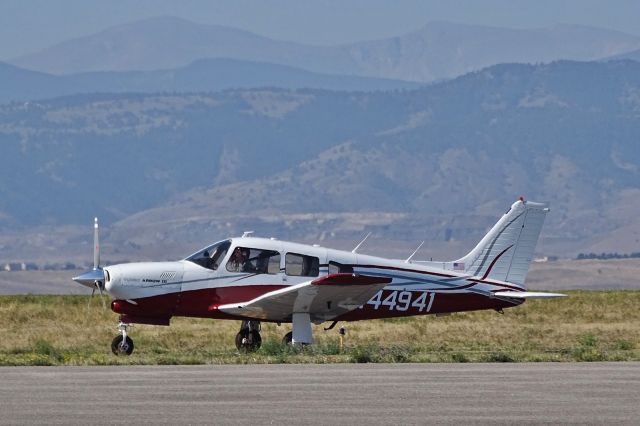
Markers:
point(414, 252)
point(361, 242)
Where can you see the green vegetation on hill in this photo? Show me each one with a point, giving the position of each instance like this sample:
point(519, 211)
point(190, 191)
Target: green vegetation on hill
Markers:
point(586, 326)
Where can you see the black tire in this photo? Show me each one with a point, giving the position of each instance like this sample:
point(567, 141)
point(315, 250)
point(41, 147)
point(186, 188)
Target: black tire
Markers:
point(248, 341)
point(118, 348)
point(241, 335)
point(288, 338)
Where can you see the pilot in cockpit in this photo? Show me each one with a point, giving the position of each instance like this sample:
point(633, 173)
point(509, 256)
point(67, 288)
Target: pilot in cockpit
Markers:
point(237, 260)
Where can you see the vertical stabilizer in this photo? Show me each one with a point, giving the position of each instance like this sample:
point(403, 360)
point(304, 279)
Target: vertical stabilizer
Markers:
point(505, 252)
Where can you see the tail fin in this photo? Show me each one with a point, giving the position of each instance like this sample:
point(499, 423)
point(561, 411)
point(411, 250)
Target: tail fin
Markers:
point(505, 252)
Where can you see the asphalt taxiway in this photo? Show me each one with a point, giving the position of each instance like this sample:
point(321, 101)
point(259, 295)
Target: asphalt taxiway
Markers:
point(371, 394)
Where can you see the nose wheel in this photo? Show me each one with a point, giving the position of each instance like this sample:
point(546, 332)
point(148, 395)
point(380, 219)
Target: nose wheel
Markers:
point(248, 338)
point(122, 344)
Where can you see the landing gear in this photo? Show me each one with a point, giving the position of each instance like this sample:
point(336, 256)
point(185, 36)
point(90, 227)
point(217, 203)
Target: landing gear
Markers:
point(248, 338)
point(301, 334)
point(122, 344)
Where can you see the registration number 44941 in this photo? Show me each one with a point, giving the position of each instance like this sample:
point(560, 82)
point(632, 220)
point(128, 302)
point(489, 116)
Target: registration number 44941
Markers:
point(402, 300)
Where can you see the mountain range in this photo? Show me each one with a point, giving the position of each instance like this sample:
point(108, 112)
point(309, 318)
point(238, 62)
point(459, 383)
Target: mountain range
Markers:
point(438, 162)
point(200, 76)
point(439, 50)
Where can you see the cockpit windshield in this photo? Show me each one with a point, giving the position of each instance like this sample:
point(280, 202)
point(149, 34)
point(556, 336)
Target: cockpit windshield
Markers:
point(210, 257)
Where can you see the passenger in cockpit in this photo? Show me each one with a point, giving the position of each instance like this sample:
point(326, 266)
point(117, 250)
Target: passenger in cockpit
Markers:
point(247, 266)
point(262, 263)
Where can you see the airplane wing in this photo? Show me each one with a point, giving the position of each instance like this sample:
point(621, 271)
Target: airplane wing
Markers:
point(323, 298)
point(527, 295)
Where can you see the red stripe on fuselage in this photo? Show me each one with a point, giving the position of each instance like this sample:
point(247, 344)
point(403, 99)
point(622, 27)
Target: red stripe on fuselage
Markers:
point(443, 303)
point(194, 303)
point(202, 303)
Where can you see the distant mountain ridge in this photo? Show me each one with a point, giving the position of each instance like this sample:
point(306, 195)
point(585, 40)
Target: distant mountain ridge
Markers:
point(634, 55)
point(439, 50)
point(203, 75)
point(165, 43)
point(436, 162)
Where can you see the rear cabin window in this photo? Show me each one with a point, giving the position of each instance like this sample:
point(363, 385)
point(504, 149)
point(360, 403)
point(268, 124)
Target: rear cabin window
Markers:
point(301, 265)
point(338, 268)
point(259, 261)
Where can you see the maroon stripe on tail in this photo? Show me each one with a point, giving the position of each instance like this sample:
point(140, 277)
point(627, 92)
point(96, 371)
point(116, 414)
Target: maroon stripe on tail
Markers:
point(486, 274)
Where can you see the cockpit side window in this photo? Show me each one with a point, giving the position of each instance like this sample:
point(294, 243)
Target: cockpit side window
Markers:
point(210, 257)
point(301, 265)
point(259, 261)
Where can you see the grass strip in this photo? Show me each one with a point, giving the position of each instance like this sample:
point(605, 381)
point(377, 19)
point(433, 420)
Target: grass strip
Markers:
point(586, 326)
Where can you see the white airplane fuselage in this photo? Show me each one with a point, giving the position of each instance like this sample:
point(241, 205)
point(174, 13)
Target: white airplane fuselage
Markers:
point(259, 279)
point(153, 292)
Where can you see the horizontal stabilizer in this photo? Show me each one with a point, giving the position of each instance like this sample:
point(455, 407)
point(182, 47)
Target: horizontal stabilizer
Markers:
point(527, 295)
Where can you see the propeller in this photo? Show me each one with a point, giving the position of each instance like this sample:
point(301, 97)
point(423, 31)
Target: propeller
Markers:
point(95, 278)
point(96, 244)
point(93, 291)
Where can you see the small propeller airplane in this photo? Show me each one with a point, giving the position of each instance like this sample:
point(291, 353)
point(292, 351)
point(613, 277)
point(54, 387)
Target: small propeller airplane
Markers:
point(264, 279)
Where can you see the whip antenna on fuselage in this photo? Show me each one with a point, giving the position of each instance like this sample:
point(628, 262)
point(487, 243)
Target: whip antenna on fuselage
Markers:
point(414, 253)
point(361, 242)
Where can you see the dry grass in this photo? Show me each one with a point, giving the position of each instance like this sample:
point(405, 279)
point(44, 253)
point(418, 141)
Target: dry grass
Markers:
point(587, 326)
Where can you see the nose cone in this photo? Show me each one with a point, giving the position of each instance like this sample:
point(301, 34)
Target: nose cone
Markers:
point(89, 278)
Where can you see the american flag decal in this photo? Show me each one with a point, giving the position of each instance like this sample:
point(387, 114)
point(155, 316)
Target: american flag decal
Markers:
point(458, 266)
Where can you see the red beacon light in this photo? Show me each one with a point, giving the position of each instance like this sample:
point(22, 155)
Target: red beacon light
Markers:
point(521, 198)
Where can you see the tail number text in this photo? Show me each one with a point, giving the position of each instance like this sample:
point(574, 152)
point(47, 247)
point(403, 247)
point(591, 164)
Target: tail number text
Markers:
point(402, 300)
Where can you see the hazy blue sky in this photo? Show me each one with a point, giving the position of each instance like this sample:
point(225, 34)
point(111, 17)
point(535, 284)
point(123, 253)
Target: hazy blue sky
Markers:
point(28, 25)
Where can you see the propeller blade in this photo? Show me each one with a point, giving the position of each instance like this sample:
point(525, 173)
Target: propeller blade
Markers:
point(96, 245)
point(104, 306)
point(94, 278)
point(90, 298)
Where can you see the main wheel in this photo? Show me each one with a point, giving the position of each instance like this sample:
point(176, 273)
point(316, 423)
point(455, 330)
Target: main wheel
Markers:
point(120, 347)
point(288, 338)
point(248, 341)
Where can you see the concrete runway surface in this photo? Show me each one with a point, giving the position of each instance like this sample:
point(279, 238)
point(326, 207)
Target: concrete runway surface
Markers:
point(371, 394)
